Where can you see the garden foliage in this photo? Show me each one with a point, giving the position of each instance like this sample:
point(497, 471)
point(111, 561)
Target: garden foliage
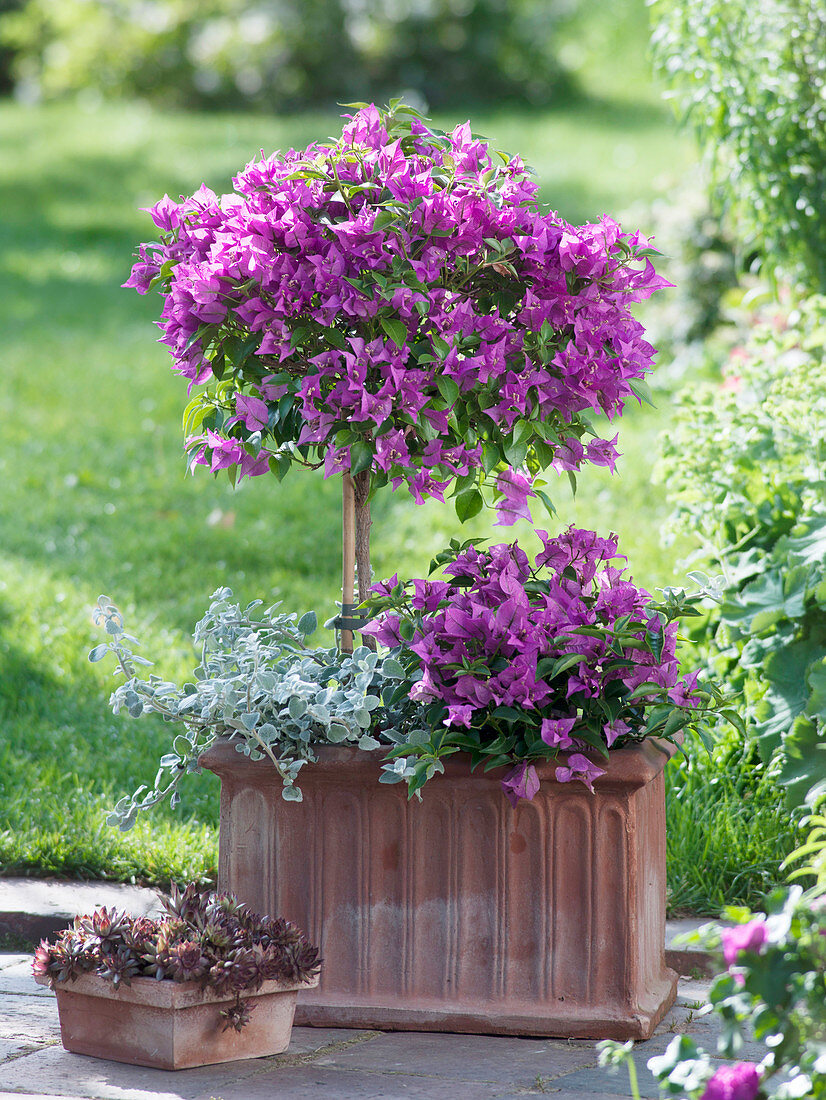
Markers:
point(772, 988)
point(396, 302)
point(260, 684)
point(277, 55)
point(751, 78)
point(745, 464)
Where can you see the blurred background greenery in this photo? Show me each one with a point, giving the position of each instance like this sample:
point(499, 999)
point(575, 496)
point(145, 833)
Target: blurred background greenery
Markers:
point(110, 104)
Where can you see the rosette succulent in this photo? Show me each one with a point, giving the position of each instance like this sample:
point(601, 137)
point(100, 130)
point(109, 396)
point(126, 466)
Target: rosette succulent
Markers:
point(209, 938)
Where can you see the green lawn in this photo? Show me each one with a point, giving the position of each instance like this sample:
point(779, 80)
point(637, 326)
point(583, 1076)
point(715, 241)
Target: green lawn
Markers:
point(93, 491)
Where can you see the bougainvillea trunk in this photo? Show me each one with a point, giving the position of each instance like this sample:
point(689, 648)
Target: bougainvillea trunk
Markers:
point(348, 556)
point(355, 542)
point(361, 484)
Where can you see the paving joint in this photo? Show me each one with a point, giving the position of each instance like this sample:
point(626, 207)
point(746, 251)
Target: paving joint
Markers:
point(307, 1057)
point(34, 1048)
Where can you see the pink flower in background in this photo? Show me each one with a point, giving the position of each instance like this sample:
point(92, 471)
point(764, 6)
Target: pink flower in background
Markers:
point(743, 937)
point(738, 1082)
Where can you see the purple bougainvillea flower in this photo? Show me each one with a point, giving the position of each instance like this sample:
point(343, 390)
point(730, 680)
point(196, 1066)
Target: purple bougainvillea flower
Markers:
point(743, 937)
point(459, 714)
point(515, 489)
point(481, 636)
point(520, 782)
point(252, 410)
point(317, 299)
point(615, 729)
point(556, 732)
point(579, 767)
point(737, 1082)
point(384, 588)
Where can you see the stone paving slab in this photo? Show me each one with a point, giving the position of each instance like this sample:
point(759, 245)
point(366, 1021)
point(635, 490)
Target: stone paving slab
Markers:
point(481, 1058)
point(333, 1062)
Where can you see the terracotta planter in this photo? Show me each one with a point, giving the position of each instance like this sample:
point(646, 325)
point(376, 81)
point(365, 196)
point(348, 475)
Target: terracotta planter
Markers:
point(460, 913)
point(169, 1025)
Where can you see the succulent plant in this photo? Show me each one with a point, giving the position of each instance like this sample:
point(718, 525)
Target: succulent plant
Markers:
point(208, 938)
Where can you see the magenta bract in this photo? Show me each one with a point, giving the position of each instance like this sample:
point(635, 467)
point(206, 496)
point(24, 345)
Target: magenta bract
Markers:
point(562, 654)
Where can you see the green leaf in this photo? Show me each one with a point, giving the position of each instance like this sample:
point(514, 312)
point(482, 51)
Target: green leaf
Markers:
point(447, 388)
point(648, 688)
point(393, 669)
point(308, 623)
point(396, 330)
point(468, 504)
point(736, 720)
point(643, 391)
point(336, 338)
point(197, 335)
point(803, 771)
point(491, 456)
point(550, 667)
point(361, 457)
point(546, 500)
point(279, 465)
point(515, 453)
point(817, 682)
point(440, 346)
point(522, 431)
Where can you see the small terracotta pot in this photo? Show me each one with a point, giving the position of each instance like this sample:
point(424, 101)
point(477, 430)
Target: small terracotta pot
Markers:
point(169, 1025)
point(461, 913)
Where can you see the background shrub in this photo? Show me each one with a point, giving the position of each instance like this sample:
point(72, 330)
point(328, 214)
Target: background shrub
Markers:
point(751, 78)
point(282, 53)
point(745, 464)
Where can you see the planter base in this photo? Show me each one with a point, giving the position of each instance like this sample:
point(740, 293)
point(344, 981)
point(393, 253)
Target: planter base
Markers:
point(573, 1022)
point(169, 1025)
point(461, 913)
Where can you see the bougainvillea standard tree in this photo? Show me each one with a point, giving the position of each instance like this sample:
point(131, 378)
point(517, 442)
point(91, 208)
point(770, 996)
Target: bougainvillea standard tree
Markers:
point(395, 306)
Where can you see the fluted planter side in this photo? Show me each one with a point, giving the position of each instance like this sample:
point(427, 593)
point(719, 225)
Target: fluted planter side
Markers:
point(170, 1025)
point(461, 913)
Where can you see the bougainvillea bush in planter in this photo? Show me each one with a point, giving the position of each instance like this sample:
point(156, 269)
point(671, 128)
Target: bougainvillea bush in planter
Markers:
point(519, 661)
point(396, 308)
point(208, 981)
point(560, 678)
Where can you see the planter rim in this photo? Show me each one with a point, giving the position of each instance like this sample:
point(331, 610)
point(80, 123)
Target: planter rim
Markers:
point(630, 767)
point(164, 993)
